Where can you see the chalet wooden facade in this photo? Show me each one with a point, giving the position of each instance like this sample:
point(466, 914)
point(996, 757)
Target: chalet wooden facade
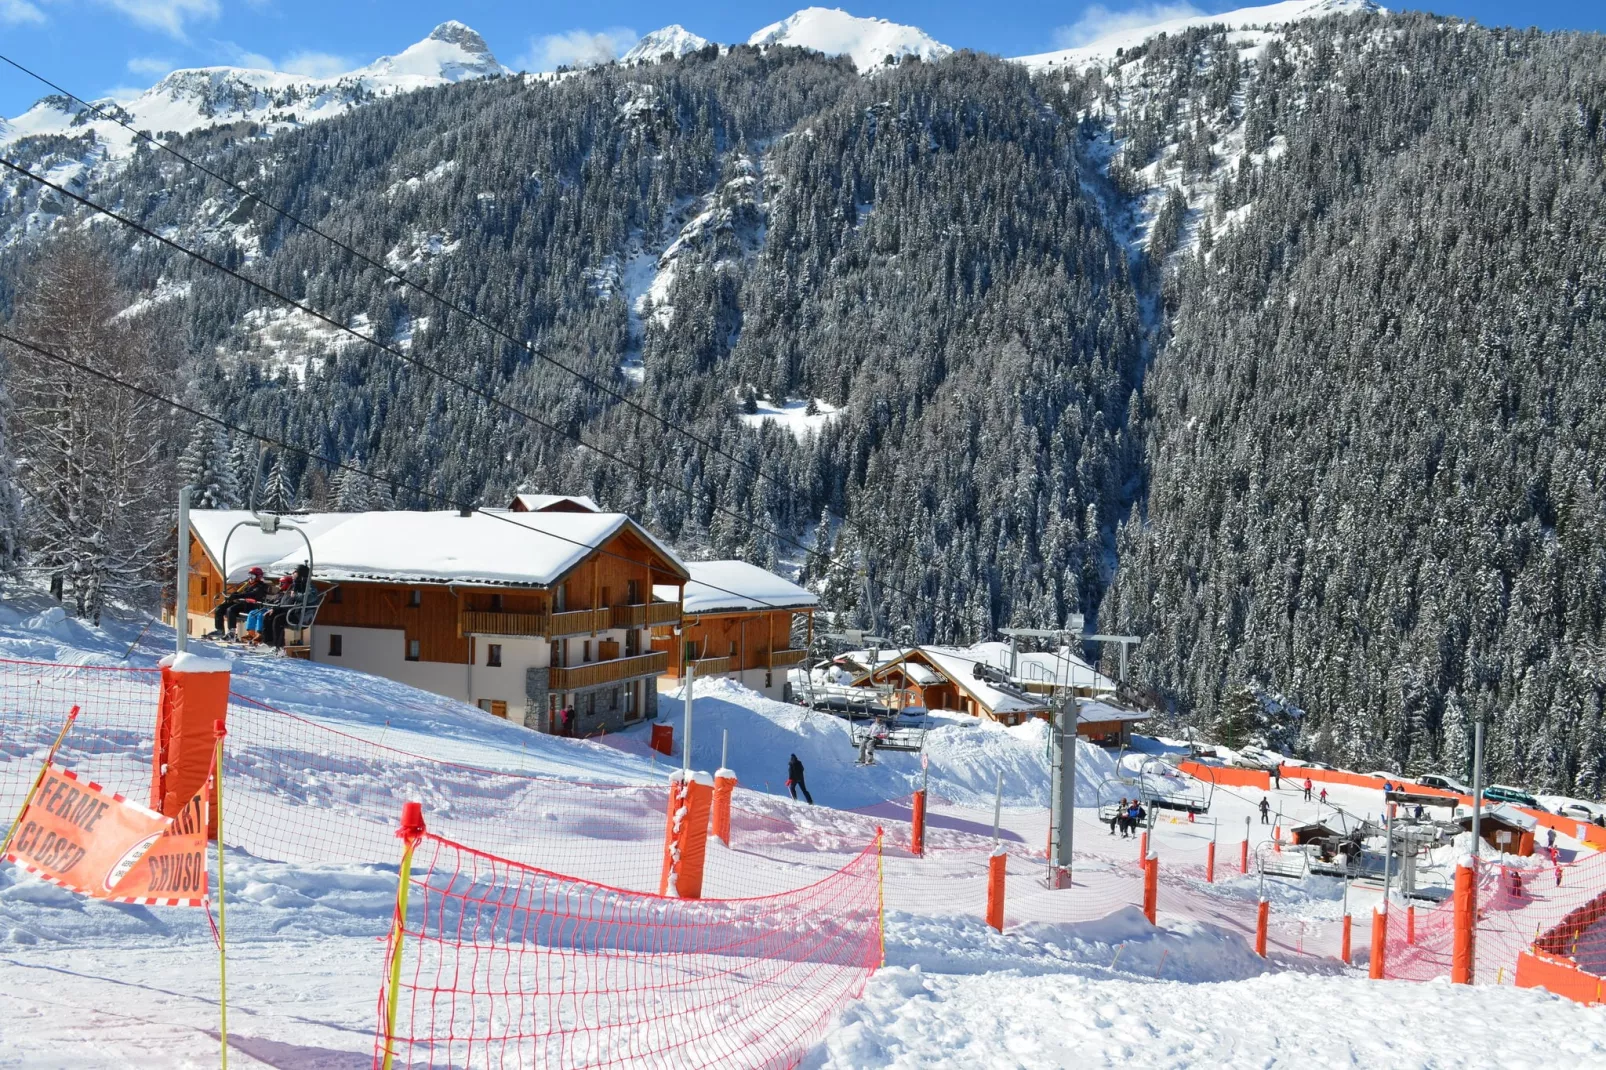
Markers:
point(741, 622)
point(944, 678)
point(526, 615)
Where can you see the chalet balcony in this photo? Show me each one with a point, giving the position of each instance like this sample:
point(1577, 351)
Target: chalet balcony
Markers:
point(616, 670)
point(534, 625)
point(645, 615)
point(784, 659)
point(713, 666)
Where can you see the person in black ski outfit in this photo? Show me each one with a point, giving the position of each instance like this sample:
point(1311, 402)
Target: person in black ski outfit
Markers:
point(1265, 810)
point(253, 593)
point(794, 779)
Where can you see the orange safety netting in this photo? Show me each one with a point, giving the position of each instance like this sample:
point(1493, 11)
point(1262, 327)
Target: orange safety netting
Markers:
point(503, 964)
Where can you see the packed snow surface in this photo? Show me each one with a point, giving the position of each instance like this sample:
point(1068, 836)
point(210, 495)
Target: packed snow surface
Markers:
point(1105, 48)
point(868, 42)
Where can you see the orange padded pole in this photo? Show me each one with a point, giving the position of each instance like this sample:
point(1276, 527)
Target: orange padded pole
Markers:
point(1410, 923)
point(995, 890)
point(686, 835)
point(1380, 939)
point(1143, 846)
point(1151, 887)
point(917, 824)
point(194, 697)
point(1243, 857)
point(1343, 947)
point(724, 786)
point(1210, 863)
point(1466, 920)
point(1262, 915)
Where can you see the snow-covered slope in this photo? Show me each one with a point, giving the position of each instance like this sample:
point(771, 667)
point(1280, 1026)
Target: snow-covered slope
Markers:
point(194, 99)
point(868, 42)
point(671, 42)
point(1286, 11)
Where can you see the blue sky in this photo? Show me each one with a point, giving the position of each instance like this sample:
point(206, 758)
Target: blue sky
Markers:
point(97, 46)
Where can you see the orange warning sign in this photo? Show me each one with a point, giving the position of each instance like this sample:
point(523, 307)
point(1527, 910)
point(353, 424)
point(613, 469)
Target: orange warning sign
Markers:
point(84, 838)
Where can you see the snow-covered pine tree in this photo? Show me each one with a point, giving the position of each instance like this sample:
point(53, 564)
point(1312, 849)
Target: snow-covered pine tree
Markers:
point(278, 492)
point(206, 466)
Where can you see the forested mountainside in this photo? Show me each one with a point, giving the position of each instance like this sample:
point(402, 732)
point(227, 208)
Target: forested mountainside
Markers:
point(1352, 266)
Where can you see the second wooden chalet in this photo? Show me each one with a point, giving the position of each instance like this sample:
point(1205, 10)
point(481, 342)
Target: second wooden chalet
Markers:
point(741, 622)
point(526, 614)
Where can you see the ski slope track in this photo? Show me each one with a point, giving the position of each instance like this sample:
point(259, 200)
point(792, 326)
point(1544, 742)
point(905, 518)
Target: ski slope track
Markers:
point(319, 760)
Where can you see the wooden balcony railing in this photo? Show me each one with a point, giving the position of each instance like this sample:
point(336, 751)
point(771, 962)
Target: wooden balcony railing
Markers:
point(607, 672)
point(713, 666)
point(534, 625)
point(645, 615)
point(781, 659)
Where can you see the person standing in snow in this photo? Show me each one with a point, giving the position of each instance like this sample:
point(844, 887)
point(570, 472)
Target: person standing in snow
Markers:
point(1265, 810)
point(794, 779)
point(1550, 840)
point(1277, 776)
point(1324, 796)
point(1307, 789)
point(568, 721)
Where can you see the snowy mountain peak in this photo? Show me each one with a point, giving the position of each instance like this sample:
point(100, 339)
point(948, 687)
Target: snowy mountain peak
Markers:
point(868, 42)
point(451, 52)
point(671, 42)
point(1104, 48)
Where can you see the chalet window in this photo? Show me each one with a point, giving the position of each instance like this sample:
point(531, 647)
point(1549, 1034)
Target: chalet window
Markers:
point(557, 652)
point(496, 603)
point(591, 704)
point(493, 655)
point(334, 644)
point(733, 648)
point(630, 702)
point(632, 642)
point(607, 597)
point(769, 678)
point(412, 650)
point(494, 707)
point(633, 592)
point(560, 599)
point(415, 598)
point(585, 649)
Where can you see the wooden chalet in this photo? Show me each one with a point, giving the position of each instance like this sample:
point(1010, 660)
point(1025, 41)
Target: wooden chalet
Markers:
point(741, 622)
point(946, 678)
point(552, 503)
point(526, 614)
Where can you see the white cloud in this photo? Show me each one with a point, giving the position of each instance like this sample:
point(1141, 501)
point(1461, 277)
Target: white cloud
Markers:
point(152, 65)
point(316, 64)
point(577, 48)
point(16, 12)
point(1099, 21)
point(169, 16)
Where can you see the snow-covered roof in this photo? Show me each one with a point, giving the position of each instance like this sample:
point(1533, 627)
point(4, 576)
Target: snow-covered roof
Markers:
point(1099, 711)
point(512, 549)
point(1062, 669)
point(249, 546)
point(960, 667)
point(538, 503)
point(735, 587)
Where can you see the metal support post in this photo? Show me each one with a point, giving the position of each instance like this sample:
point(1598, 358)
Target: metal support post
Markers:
point(685, 729)
point(1064, 795)
point(181, 585)
point(1477, 784)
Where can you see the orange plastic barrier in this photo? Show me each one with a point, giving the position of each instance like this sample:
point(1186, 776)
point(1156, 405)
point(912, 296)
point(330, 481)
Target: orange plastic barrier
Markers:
point(78, 835)
point(1466, 919)
point(1226, 775)
point(194, 697)
point(1380, 939)
point(1151, 888)
point(996, 869)
point(663, 738)
point(1535, 969)
point(686, 835)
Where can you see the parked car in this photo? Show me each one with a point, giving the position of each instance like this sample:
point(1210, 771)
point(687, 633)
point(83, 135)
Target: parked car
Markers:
point(1256, 758)
point(1443, 783)
point(1505, 794)
point(1579, 812)
point(1395, 777)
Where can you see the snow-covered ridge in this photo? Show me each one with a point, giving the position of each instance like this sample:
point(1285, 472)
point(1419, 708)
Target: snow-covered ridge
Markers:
point(1105, 48)
point(671, 42)
point(868, 42)
point(197, 98)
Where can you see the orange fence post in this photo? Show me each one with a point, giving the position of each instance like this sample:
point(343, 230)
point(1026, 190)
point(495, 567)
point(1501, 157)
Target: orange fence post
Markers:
point(724, 785)
point(1143, 846)
point(1410, 923)
point(1243, 857)
point(1151, 887)
point(686, 835)
point(194, 696)
point(1343, 947)
point(1262, 916)
point(1380, 939)
point(1277, 838)
point(1210, 863)
point(917, 824)
point(995, 888)
point(1466, 920)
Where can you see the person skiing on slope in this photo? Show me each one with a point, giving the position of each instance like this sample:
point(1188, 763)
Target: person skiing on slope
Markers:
point(794, 779)
point(1324, 796)
point(1265, 810)
point(1307, 789)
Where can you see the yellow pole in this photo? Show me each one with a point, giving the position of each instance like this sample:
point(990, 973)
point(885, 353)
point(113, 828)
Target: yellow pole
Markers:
point(222, 915)
point(412, 828)
point(72, 715)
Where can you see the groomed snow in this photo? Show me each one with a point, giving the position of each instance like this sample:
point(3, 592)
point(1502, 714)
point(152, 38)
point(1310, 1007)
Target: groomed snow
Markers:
point(792, 414)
